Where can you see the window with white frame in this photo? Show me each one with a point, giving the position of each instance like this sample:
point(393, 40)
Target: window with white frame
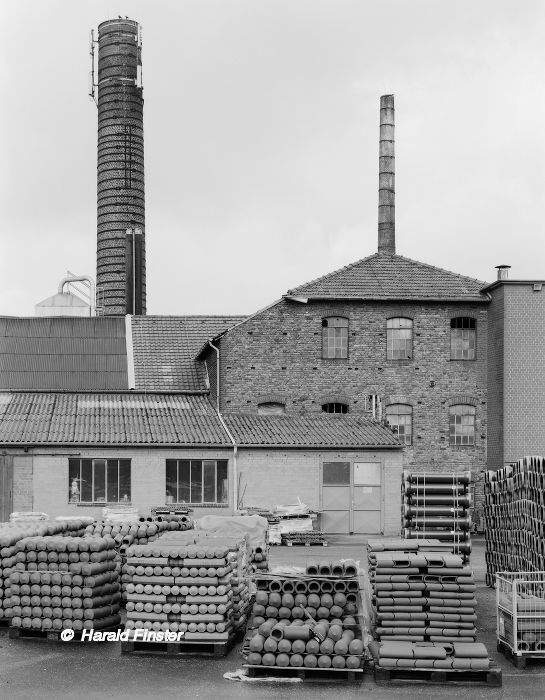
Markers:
point(399, 338)
point(462, 424)
point(335, 337)
point(99, 480)
point(462, 338)
point(196, 481)
point(400, 418)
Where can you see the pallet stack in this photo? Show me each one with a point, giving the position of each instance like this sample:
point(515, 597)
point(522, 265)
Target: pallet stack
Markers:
point(514, 516)
point(10, 534)
point(310, 538)
point(178, 584)
point(438, 506)
point(308, 624)
point(64, 583)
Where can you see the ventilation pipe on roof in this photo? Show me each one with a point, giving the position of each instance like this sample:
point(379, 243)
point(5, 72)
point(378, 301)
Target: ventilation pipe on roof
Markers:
point(386, 178)
point(80, 278)
point(503, 271)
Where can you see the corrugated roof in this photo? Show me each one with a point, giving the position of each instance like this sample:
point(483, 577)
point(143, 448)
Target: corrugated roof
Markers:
point(165, 348)
point(63, 353)
point(50, 418)
point(313, 431)
point(382, 276)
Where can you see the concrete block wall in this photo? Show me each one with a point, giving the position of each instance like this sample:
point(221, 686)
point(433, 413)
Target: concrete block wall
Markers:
point(23, 489)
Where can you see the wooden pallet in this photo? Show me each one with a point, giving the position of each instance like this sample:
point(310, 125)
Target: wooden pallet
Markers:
point(4, 621)
point(346, 675)
point(50, 635)
point(306, 544)
point(187, 648)
point(490, 676)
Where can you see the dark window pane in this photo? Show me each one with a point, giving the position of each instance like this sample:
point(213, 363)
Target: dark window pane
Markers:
point(222, 481)
point(74, 485)
point(112, 494)
point(196, 481)
point(209, 478)
point(172, 481)
point(335, 408)
point(87, 480)
point(124, 480)
point(99, 480)
point(184, 481)
point(336, 474)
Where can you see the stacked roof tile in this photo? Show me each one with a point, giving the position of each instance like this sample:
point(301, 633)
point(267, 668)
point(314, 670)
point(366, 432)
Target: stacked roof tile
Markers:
point(387, 277)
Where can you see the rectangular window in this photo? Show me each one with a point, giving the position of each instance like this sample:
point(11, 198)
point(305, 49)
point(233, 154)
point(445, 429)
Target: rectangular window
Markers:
point(99, 480)
point(335, 337)
point(400, 419)
point(196, 481)
point(462, 338)
point(462, 425)
point(336, 474)
point(399, 339)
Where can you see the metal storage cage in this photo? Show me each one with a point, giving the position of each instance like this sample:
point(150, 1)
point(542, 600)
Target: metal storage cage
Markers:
point(520, 597)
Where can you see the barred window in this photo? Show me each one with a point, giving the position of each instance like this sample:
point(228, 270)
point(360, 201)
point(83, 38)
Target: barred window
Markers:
point(462, 425)
point(99, 480)
point(399, 338)
point(196, 480)
point(335, 407)
point(400, 418)
point(462, 338)
point(335, 337)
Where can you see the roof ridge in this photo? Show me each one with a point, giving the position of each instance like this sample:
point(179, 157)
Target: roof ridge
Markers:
point(330, 274)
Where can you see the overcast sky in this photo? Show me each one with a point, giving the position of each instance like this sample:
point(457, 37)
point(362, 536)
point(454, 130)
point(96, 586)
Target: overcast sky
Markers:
point(261, 142)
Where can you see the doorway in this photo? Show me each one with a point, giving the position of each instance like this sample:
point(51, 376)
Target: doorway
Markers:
point(352, 497)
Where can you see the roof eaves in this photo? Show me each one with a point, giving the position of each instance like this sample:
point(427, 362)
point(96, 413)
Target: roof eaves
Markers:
point(374, 297)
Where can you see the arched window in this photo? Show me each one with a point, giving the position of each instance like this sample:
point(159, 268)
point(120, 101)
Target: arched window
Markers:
point(399, 338)
point(462, 424)
point(335, 407)
point(462, 338)
point(335, 337)
point(400, 418)
point(271, 408)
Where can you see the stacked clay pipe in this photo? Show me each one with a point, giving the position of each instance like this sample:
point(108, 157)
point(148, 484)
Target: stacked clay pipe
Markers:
point(307, 621)
point(65, 583)
point(259, 557)
point(437, 506)
point(10, 534)
point(459, 656)
point(179, 585)
point(422, 597)
point(514, 515)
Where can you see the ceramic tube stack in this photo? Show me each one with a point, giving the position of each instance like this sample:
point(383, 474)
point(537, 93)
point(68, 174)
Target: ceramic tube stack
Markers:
point(65, 583)
point(437, 506)
point(181, 587)
point(459, 656)
point(309, 621)
point(10, 534)
point(423, 597)
point(514, 516)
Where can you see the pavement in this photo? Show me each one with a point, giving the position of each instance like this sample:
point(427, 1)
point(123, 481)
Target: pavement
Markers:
point(40, 670)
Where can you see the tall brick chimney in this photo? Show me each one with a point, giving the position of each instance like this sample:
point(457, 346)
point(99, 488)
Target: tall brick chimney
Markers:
point(386, 178)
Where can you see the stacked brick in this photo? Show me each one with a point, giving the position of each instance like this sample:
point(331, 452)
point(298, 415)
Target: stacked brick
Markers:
point(437, 506)
point(179, 585)
point(308, 621)
point(10, 535)
point(514, 515)
point(65, 583)
point(422, 597)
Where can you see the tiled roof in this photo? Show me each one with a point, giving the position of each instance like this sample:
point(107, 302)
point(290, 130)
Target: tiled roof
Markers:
point(63, 353)
point(383, 276)
point(317, 431)
point(165, 348)
point(108, 419)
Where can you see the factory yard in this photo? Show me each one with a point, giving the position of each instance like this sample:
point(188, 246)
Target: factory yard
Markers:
point(38, 669)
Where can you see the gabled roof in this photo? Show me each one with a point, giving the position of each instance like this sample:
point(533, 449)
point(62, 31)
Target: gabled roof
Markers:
point(312, 431)
point(165, 348)
point(387, 277)
point(63, 353)
point(109, 419)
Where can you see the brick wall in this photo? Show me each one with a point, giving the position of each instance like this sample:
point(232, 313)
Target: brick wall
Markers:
point(23, 483)
point(495, 370)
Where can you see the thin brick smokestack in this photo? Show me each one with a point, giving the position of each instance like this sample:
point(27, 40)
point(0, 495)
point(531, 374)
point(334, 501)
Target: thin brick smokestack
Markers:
point(386, 178)
point(121, 259)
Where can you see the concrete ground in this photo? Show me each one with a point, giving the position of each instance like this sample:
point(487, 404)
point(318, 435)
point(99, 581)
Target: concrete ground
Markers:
point(36, 669)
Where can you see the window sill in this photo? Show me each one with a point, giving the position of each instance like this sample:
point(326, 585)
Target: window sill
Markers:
point(454, 359)
point(197, 505)
point(462, 447)
point(95, 504)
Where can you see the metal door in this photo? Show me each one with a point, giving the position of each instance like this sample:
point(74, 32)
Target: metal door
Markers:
point(352, 497)
point(6, 487)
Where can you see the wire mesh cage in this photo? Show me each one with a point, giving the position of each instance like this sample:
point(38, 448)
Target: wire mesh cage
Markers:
point(520, 597)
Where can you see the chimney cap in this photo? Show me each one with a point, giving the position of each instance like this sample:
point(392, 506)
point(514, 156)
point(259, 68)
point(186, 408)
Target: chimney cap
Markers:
point(503, 271)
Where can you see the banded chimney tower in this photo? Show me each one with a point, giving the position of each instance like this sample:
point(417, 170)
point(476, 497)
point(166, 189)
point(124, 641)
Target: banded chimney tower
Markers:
point(121, 254)
point(386, 178)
